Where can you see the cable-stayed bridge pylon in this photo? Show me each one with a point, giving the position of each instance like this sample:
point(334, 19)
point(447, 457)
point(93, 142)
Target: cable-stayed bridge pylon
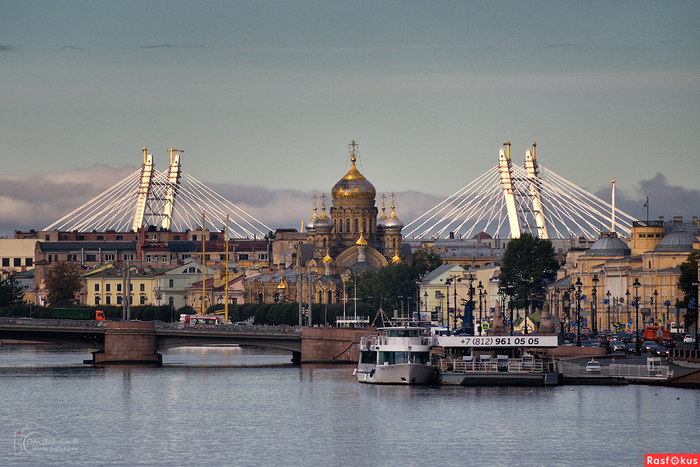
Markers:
point(169, 200)
point(508, 200)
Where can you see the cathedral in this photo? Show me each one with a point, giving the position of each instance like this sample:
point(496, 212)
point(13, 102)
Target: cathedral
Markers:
point(355, 238)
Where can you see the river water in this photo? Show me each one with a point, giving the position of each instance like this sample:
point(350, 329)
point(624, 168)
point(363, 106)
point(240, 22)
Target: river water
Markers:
point(249, 407)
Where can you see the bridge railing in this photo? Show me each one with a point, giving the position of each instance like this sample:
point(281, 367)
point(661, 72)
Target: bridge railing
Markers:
point(68, 323)
point(237, 328)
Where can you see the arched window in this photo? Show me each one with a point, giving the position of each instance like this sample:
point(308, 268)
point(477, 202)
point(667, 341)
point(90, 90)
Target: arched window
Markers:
point(369, 229)
point(260, 298)
point(364, 225)
point(347, 225)
point(357, 227)
point(340, 225)
point(330, 297)
point(324, 243)
point(394, 243)
point(277, 298)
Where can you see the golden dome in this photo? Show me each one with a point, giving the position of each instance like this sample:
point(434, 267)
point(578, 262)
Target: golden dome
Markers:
point(327, 258)
point(353, 185)
point(361, 241)
point(396, 259)
point(281, 286)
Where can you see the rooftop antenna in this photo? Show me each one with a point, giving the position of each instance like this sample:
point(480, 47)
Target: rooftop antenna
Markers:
point(612, 227)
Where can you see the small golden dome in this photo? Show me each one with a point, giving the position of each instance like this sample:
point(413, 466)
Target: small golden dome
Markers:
point(281, 286)
point(396, 259)
point(327, 258)
point(361, 241)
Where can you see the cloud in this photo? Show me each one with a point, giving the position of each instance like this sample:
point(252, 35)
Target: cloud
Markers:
point(7, 48)
point(664, 200)
point(71, 47)
point(170, 46)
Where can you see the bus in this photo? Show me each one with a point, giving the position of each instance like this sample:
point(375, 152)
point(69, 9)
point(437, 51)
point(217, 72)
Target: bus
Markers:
point(201, 321)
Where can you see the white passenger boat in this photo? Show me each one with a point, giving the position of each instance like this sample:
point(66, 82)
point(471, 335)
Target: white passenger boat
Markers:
point(400, 355)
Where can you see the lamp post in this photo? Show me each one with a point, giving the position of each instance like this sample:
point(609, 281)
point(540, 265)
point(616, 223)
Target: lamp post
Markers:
point(448, 282)
point(480, 288)
point(578, 311)
point(594, 305)
point(637, 285)
point(607, 295)
point(656, 305)
point(425, 297)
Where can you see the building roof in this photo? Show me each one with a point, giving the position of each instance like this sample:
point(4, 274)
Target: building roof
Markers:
point(609, 246)
point(677, 241)
point(88, 246)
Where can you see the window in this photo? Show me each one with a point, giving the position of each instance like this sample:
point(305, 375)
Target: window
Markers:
point(49, 258)
point(97, 300)
point(222, 257)
point(28, 261)
point(142, 300)
point(91, 258)
point(364, 225)
point(6, 262)
point(142, 287)
point(213, 237)
point(194, 238)
point(108, 300)
point(120, 237)
point(165, 258)
point(242, 257)
point(190, 270)
point(109, 257)
point(176, 237)
point(155, 258)
point(357, 228)
point(81, 237)
point(119, 287)
point(340, 226)
point(347, 225)
point(119, 299)
point(207, 257)
point(263, 256)
point(154, 237)
point(148, 258)
point(171, 283)
point(100, 237)
point(17, 262)
point(97, 287)
point(47, 237)
point(131, 287)
point(108, 287)
point(71, 257)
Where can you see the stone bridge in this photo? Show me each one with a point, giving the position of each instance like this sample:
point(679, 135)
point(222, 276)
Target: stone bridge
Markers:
point(141, 341)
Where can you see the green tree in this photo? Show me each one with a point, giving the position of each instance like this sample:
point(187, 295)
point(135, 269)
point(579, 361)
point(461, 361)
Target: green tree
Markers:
point(688, 277)
point(528, 263)
point(63, 282)
point(10, 291)
point(425, 260)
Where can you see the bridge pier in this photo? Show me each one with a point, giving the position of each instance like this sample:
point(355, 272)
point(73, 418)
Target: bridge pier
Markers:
point(332, 345)
point(129, 342)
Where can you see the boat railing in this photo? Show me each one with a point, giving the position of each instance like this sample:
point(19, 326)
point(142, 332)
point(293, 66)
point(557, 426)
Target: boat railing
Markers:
point(511, 365)
point(659, 372)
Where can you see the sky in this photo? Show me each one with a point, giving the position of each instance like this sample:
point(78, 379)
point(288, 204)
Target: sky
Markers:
point(265, 96)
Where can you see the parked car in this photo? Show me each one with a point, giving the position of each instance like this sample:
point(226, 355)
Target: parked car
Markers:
point(592, 367)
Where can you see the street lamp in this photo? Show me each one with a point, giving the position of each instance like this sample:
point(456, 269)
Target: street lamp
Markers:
point(629, 318)
point(578, 285)
point(656, 305)
point(480, 288)
point(637, 285)
point(594, 306)
point(426, 306)
point(607, 295)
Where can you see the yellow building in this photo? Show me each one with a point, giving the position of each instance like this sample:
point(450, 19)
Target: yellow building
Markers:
point(609, 269)
point(105, 286)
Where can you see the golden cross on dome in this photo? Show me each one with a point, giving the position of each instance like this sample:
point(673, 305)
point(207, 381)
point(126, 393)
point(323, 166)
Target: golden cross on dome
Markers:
point(323, 200)
point(383, 201)
point(353, 151)
point(314, 197)
point(393, 200)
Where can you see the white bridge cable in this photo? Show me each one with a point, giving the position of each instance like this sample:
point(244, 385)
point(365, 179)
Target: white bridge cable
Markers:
point(568, 209)
point(114, 208)
point(81, 217)
point(449, 205)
